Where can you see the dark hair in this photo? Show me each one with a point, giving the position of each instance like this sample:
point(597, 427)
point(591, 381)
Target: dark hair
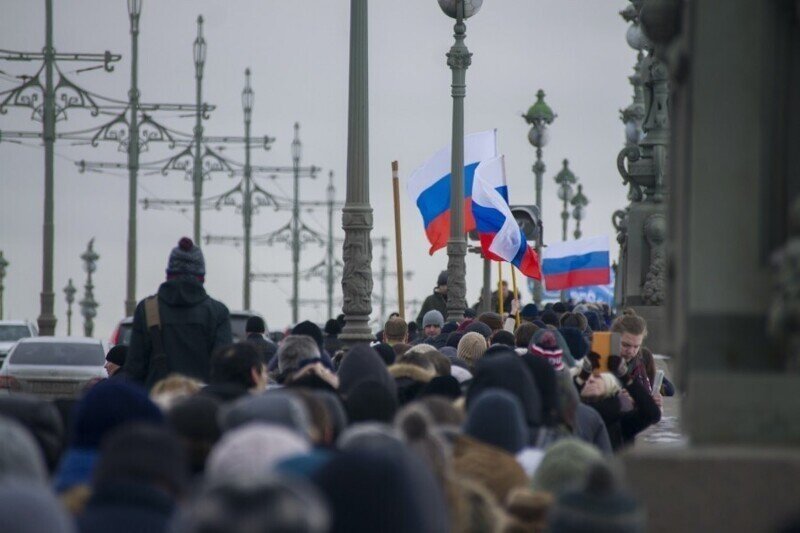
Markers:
point(524, 334)
point(332, 327)
point(255, 324)
point(502, 337)
point(631, 323)
point(234, 364)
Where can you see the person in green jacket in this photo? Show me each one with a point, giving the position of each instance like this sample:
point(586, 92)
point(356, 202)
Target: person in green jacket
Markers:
point(193, 325)
point(437, 300)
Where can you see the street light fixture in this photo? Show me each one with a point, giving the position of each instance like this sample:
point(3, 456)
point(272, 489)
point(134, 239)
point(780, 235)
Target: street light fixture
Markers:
point(69, 292)
point(199, 49)
point(565, 180)
point(458, 59)
point(88, 304)
point(3, 264)
point(579, 203)
point(539, 116)
point(248, 99)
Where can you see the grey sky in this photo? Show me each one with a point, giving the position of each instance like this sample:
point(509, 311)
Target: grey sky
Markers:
point(297, 50)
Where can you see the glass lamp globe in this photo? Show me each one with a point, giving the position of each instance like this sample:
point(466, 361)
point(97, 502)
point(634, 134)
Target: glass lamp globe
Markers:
point(538, 136)
point(471, 7)
point(565, 192)
point(636, 38)
point(577, 213)
point(632, 132)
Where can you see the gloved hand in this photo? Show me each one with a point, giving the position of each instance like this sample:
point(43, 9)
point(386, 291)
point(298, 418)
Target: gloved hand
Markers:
point(591, 362)
point(618, 366)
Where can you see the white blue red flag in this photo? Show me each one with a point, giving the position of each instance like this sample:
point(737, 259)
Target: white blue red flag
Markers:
point(578, 263)
point(429, 186)
point(501, 237)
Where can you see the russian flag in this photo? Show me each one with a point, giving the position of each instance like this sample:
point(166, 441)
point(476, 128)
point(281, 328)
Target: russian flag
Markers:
point(578, 263)
point(429, 186)
point(501, 237)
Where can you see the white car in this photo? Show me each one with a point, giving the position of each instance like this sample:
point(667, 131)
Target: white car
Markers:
point(13, 330)
point(53, 367)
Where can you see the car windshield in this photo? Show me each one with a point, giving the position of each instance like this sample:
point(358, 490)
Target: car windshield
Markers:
point(238, 322)
point(66, 354)
point(13, 333)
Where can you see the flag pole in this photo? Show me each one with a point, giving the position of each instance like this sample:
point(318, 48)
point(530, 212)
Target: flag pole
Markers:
point(398, 241)
point(500, 296)
point(514, 288)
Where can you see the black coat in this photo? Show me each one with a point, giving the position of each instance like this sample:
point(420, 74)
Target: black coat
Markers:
point(124, 507)
point(193, 325)
point(265, 346)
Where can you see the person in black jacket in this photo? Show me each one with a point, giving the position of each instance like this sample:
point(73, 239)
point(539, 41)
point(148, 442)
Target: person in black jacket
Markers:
point(625, 414)
point(193, 325)
point(255, 333)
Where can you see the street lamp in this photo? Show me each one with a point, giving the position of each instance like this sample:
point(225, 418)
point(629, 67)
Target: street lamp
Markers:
point(247, 205)
point(88, 304)
point(297, 152)
point(199, 52)
point(69, 292)
point(458, 59)
point(579, 203)
point(3, 265)
point(565, 180)
point(134, 12)
point(539, 116)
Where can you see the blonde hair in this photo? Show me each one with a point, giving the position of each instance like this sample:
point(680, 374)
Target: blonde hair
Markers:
point(172, 388)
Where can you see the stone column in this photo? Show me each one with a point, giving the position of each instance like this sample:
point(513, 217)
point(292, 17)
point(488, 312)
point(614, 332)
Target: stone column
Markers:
point(357, 212)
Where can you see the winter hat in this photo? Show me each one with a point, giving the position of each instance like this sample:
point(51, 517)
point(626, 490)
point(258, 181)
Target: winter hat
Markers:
point(547, 346)
point(470, 313)
point(255, 324)
point(565, 465)
point(186, 258)
point(575, 340)
point(559, 307)
point(550, 318)
point(371, 400)
point(361, 363)
point(524, 333)
point(332, 327)
point(449, 327)
point(194, 419)
point(465, 324)
point(312, 330)
point(453, 338)
point(386, 352)
point(479, 327)
point(594, 322)
point(391, 491)
point(442, 279)
point(450, 352)
point(107, 405)
point(545, 378)
point(276, 407)
point(31, 508)
point(529, 311)
point(117, 354)
point(432, 318)
point(42, 419)
point(496, 418)
point(471, 347)
point(249, 453)
point(600, 506)
point(461, 374)
point(370, 436)
point(416, 427)
point(446, 386)
point(503, 337)
point(20, 457)
point(143, 453)
point(493, 320)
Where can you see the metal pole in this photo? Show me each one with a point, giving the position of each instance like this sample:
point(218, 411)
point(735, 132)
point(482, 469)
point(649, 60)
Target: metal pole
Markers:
point(247, 204)
point(384, 242)
point(296, 224)
point(47, 320)
point(69, 291)
point(3, 265)
point(486, 295)
point(133, 163)
point(500, 296)
point(197, 169)
point(538, 169)
point(401, 293)
point(330, 256)
point(357, 213)
point(458, 59)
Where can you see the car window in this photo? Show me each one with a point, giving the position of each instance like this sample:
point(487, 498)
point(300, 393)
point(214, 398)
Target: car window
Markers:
point(125, 331)
point(238, 322)
point(13, 333)
point(48, 353)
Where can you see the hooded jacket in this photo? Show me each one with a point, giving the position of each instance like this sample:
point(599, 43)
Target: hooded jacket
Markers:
point(193, 325)
point(362, 364)
point(437, 301)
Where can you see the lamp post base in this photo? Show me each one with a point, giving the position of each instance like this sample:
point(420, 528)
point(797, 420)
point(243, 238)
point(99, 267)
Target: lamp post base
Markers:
point(47, 320)
point(357, 275)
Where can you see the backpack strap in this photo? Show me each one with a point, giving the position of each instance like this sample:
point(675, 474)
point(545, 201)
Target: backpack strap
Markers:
point(153, 319)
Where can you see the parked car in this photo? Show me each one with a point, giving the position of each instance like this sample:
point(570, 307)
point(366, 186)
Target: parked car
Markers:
point(13, 330)
point(54, 367)
point(122, 333)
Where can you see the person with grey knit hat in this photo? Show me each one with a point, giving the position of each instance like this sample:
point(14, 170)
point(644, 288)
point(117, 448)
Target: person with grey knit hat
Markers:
point(437, 300)
point(190, 327)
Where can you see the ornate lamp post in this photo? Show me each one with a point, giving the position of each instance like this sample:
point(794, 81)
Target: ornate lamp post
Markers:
point(88, 304)
point(539, 116)
point(297, 152)
point(247, 205)
point(565, 180)
point(69, 292)
point(458, 59)
point(3, 265)
point(199, 52)
point(134, 11)
point(579, 203)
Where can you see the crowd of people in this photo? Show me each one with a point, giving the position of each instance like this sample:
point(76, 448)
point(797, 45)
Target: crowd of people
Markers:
point(492, 424)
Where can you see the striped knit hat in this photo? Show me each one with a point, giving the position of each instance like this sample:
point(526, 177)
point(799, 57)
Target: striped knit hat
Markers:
point(547, 346)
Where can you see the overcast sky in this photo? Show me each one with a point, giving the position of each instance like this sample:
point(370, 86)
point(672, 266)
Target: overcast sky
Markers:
point(298, 53)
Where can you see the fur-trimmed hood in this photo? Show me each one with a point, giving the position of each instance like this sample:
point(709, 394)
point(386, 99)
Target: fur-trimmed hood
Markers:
point(412, 372)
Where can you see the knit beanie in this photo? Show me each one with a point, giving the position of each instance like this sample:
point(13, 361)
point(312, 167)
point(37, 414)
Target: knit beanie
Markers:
point(312, 330)
point(547, 346)
point(117, 354)
point(493, 320)
point(600, 506)
point(449, 327)
point(31, 508)
point(550, 318)
point(250, 452)
point(496, 418)
point(276, 407)
point(386, 352)
point(432, 318)
point(453, 338)
point(416, 428)
point(186, 258)
point(529, 311)
point(471, 347)
point(565, 466)
point(143, 453)
point(20, 457)
point(479, 327)
point(442, 279)
point(255, 324)
point(576, 342)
